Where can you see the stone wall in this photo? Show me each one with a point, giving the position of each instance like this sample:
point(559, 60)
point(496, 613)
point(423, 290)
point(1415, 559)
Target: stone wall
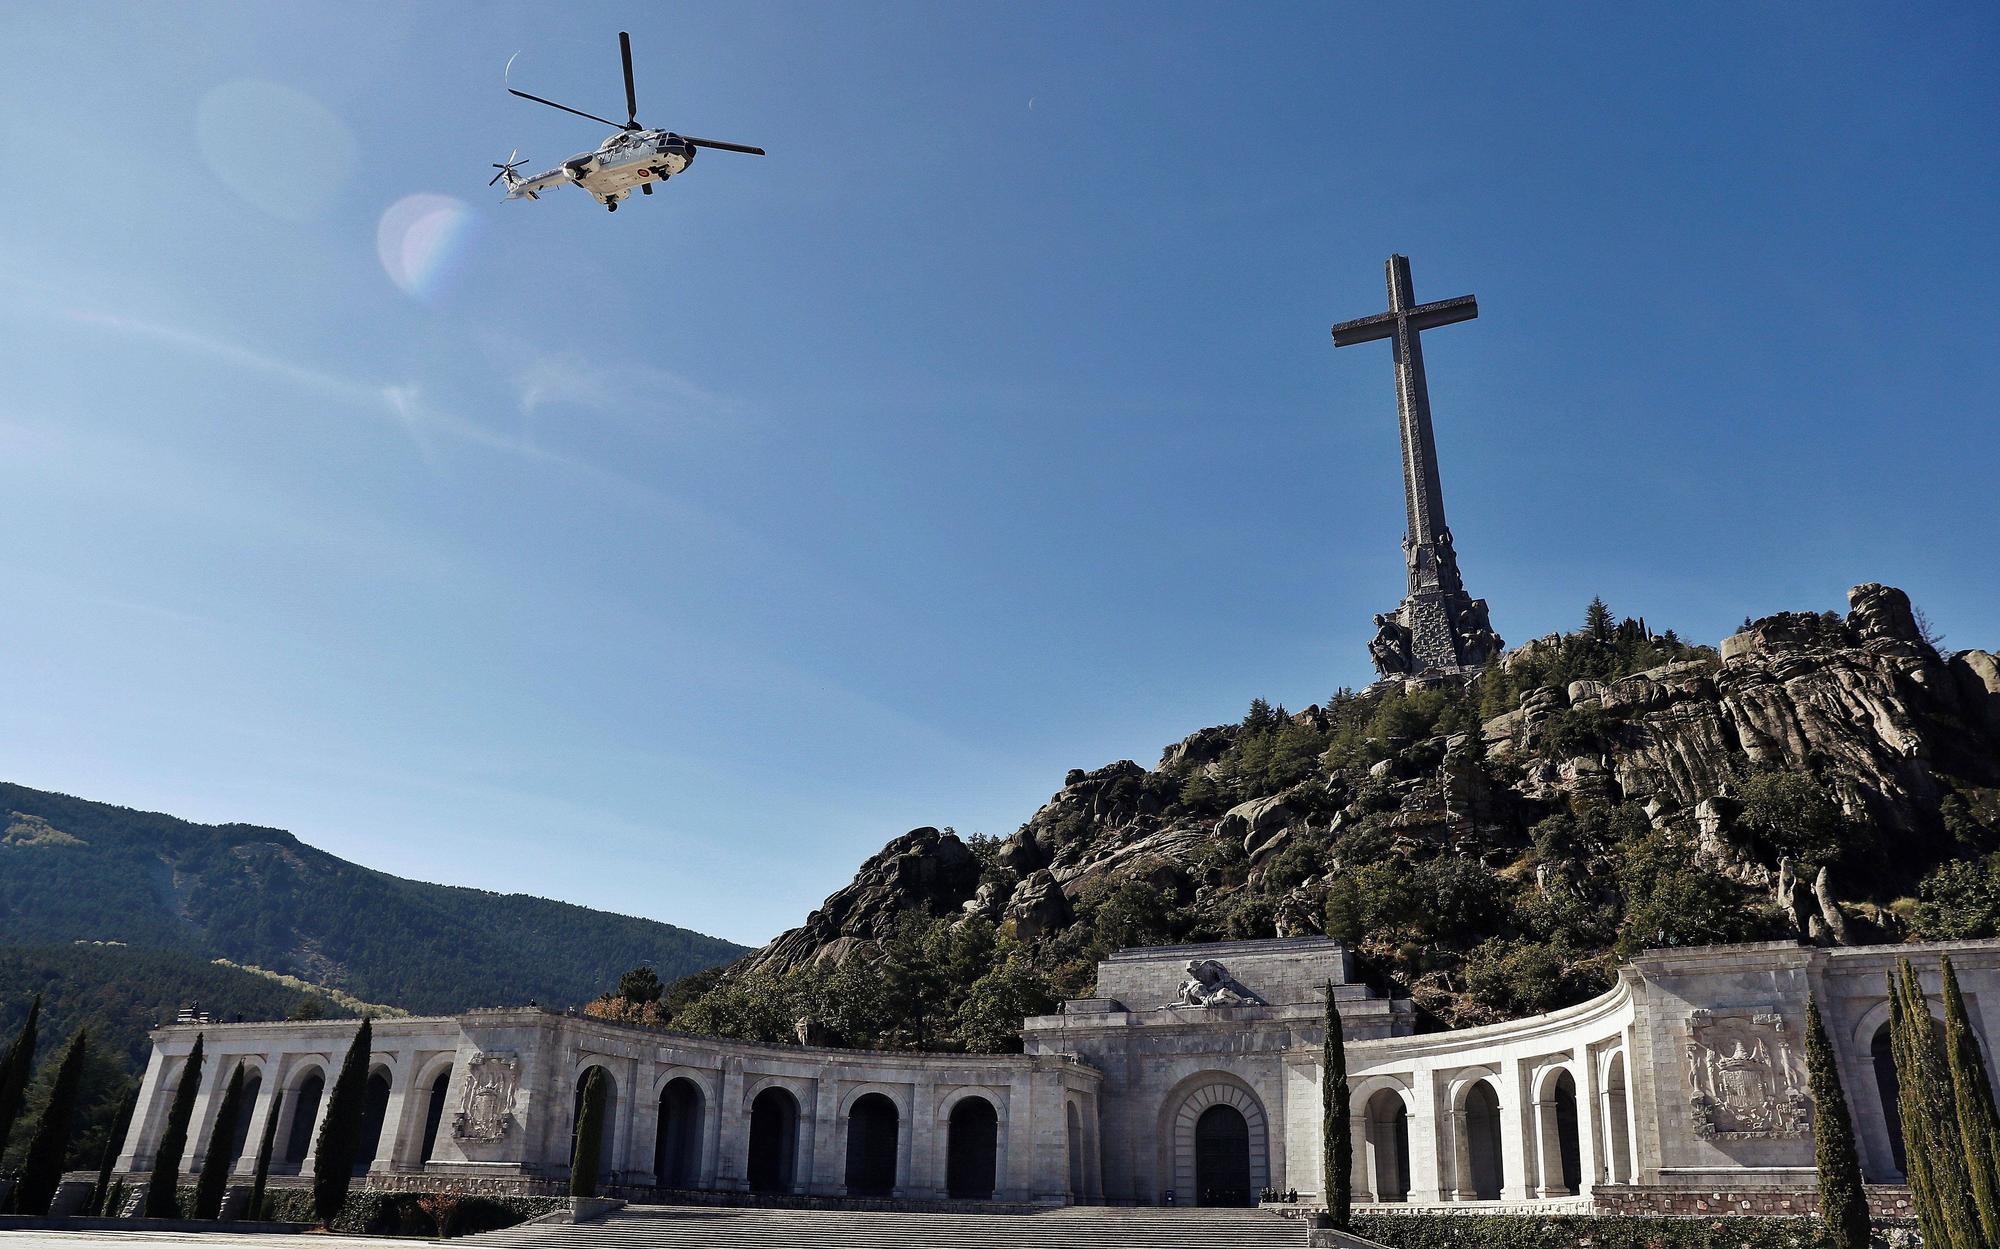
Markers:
point(1885, 1201)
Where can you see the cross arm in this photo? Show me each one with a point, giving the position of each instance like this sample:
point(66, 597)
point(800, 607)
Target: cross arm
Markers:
point(1364, 330)
point(1443, 312)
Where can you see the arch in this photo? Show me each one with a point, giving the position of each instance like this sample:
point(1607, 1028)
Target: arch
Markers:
point(374, 1113)
point(1889, 1095)
point(1184, 1109)
point(873, 1128)
point(1386, 1136)
point(677, 1141)
point(302, 1104)
point(971, 1149)
point(239, 1136)
point(774, 1140)
point(1559, 1137)
point(1074, 1119)
point(1617, 1122)
point(606, 1133)
point(434, 1114)
point(1485, 1172)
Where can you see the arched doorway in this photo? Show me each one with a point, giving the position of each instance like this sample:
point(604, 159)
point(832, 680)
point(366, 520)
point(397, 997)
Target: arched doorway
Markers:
point(1567, 1171)
point(1482, 1142)
point(1222, 1157)
point(971, 1150)
point(774, 1141)
point(239, 1137)
point(605, 1134)
point(1887, 1090)
point(434, 1113)
point(1180, 1136)
point(1386, 1131)
point(305, 1101)
point(872, 1129)
point(374, 1111)
point(677, 1144)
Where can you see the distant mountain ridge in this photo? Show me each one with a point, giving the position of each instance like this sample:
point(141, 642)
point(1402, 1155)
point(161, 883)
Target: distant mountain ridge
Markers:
point(76, 870)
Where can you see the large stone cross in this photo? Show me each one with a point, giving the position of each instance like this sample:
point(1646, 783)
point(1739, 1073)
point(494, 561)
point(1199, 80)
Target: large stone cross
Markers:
point(1439, 628)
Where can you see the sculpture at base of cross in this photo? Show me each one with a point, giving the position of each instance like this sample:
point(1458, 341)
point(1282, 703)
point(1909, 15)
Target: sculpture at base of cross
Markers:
point(1434, 636)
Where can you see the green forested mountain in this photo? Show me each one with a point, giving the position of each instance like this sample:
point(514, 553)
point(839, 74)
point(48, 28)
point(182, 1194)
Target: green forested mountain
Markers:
point(73, 870)
point(119, 993)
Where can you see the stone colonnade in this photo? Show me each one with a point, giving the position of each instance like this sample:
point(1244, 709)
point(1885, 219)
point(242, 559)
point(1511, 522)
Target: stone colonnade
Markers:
point(1515, 1112)
point(497, 1094)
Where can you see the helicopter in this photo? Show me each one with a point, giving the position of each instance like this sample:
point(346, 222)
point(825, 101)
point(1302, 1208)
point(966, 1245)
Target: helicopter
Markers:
point(635, 156)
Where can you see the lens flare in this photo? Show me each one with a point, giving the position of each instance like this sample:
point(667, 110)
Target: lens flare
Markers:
point(421, 239)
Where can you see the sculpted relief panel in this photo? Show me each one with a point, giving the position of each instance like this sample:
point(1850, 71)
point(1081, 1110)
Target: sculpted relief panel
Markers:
point(486, 1108)
point(1745, 1076)
point(1209, 983)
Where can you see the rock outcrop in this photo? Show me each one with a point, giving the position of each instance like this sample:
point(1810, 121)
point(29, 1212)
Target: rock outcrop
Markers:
point(1863, 703)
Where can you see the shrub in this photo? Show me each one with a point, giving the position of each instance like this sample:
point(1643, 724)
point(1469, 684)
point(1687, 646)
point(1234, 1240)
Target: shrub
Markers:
point(1959, 900)
point(1583, 1231)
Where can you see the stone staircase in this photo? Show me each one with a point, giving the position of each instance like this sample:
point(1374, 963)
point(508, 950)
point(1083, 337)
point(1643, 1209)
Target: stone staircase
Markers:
point(1074, 1227)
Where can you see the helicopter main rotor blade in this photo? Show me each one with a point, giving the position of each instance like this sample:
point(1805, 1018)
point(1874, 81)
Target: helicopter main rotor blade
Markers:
point(567, 109)
point(723, 147)
point(631, 96)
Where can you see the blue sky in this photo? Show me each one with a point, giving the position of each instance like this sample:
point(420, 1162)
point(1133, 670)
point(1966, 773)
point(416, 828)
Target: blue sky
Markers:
point(673, 561)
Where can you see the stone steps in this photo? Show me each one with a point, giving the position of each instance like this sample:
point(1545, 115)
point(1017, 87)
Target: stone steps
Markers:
point(1075, 1227)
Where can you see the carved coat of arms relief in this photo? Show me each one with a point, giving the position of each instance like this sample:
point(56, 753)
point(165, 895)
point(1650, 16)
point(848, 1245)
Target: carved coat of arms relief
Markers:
point(1745, 1076)
point(486, 1107)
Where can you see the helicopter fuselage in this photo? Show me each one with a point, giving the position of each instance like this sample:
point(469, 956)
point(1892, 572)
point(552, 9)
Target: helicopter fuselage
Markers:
point(625, 160)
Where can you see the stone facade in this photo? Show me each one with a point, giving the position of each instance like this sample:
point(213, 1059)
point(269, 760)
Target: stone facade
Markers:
point(1193, 1078)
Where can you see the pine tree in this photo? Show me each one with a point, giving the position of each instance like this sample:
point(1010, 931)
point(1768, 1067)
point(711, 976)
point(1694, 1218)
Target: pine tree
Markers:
point(41, 1174)
point(583, 1160)
point(163, 1199)
point(114, 1140)
point(1939, 1185)
point(264, 1154)
point(1260, 717)
point(1336, 1130)
point(214, 1181)
point(1597, 619)
point(340, 1129)
point(1972, 1094)
point(15, 1068)
point(1843, 1208)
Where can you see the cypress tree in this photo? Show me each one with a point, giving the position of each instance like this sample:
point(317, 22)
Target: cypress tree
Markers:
point(1843, 1209)
point(163, 1199)
point(214, 1181)
point(114, 1140)
point(340, 1129)
point(15, 1067)
point(264, 1155)
point(1336, 1130)
point(1930, 1125)
point(41, 1174)
point(1978, 1123)
point(589, 1137)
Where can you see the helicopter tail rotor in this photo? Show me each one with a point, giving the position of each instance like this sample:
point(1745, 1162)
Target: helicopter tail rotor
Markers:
point(507, 170)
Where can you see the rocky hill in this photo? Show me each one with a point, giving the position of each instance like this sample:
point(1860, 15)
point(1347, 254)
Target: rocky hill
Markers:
point(1490, 849)
point(73, 870)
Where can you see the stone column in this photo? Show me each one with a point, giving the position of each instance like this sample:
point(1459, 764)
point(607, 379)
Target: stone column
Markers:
point(926, 1177)
point(1589, 1147)
point(642, 1157)
point(260, 1114)
point(1632, 1090)
point(392, 1148)
point(1548, 1178)
point(1427, 1180)
point(214, 1075)
point(148, 1120)
point(1515, 1184)
point(1460, 1186)
point(828, 1174)
point(726, 1165)
point(1363, 1166)
point(1093, 1158)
